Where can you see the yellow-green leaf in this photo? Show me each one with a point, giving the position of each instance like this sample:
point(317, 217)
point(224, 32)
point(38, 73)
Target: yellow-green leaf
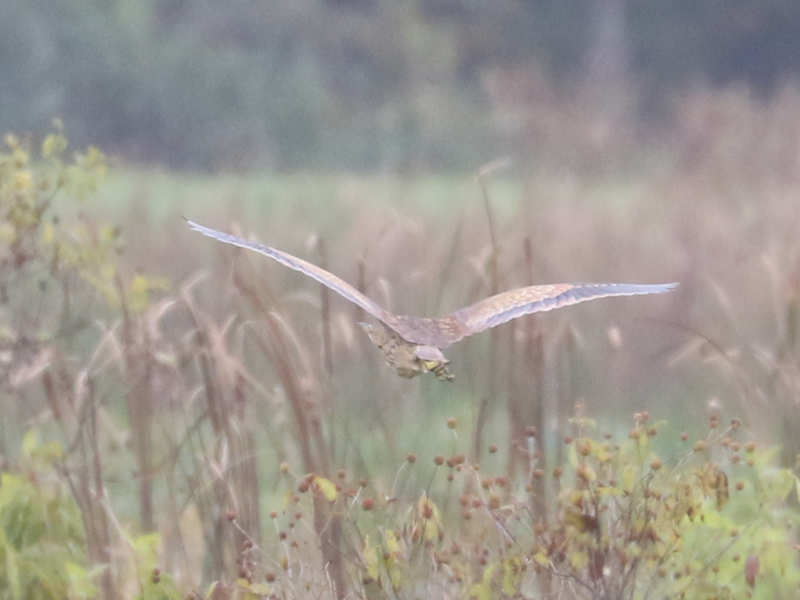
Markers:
point(578, 559)
point(541, 558)
point(326, 487)
point(393, 565)
point(53, 144)
point(392, 545)
point(629, 476)
point(512, 574)
point(430, 519)
point(11, 568)
point(261, 589)
point(370, 555)
point(483, 590)
point(777, 484)
point(30, 441)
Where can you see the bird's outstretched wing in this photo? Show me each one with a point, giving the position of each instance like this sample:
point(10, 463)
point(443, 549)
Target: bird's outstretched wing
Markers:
point(511, 304)
point(327, 279)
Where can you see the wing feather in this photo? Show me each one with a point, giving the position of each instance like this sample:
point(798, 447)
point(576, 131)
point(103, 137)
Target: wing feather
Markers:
point(511, 304)
point(327, 279)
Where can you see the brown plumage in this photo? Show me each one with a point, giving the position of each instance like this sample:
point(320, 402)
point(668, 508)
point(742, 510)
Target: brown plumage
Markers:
point(413, 345)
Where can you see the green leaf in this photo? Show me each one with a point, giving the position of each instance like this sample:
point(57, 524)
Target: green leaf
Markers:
point(370, 555)
point(11, 568)
point(50, 452)
point(578, 559)
point(430, 519)
point(211, 589)
point(393, 565)
point(261, 589)
point(252, 591)
point(483, 590)
point(572, 456)
point(630, 474)
point(80, 580)
point(53, 145)
point(542, 559)
point(777, 484)
point(512, 576)
point(146, 549)
point(327, 487)
point(30, 441)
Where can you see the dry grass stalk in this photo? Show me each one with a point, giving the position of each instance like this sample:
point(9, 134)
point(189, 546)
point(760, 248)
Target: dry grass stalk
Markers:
point(494, 333)
point(297, 383)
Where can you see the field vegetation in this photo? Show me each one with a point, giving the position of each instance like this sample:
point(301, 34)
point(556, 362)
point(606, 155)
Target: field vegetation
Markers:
point(184, 420)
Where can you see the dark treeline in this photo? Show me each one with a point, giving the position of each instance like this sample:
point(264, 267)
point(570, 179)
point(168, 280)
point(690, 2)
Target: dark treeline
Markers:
point(354, 83)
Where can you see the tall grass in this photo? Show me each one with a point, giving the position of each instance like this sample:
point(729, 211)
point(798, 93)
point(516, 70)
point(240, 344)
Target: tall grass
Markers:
point(235, 429)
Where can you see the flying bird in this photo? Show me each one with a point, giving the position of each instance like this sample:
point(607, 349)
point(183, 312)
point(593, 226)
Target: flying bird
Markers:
point(413, 345)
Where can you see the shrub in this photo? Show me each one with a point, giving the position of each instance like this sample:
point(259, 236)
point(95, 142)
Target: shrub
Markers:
point(42, 546)
point(712, 520)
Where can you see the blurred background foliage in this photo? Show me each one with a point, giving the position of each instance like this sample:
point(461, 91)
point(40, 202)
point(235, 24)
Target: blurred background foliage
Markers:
point(183, 418)
point(364, 84)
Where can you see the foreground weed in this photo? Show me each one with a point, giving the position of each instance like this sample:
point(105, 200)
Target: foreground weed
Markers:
point(711, 520)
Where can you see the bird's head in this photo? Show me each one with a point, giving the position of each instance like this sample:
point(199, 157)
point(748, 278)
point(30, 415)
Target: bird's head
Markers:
point(432, 360)
point(409, 360)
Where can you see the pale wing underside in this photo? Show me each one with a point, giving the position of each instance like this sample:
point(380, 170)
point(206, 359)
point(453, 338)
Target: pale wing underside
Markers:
point(327, 279)
point(505, 306)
